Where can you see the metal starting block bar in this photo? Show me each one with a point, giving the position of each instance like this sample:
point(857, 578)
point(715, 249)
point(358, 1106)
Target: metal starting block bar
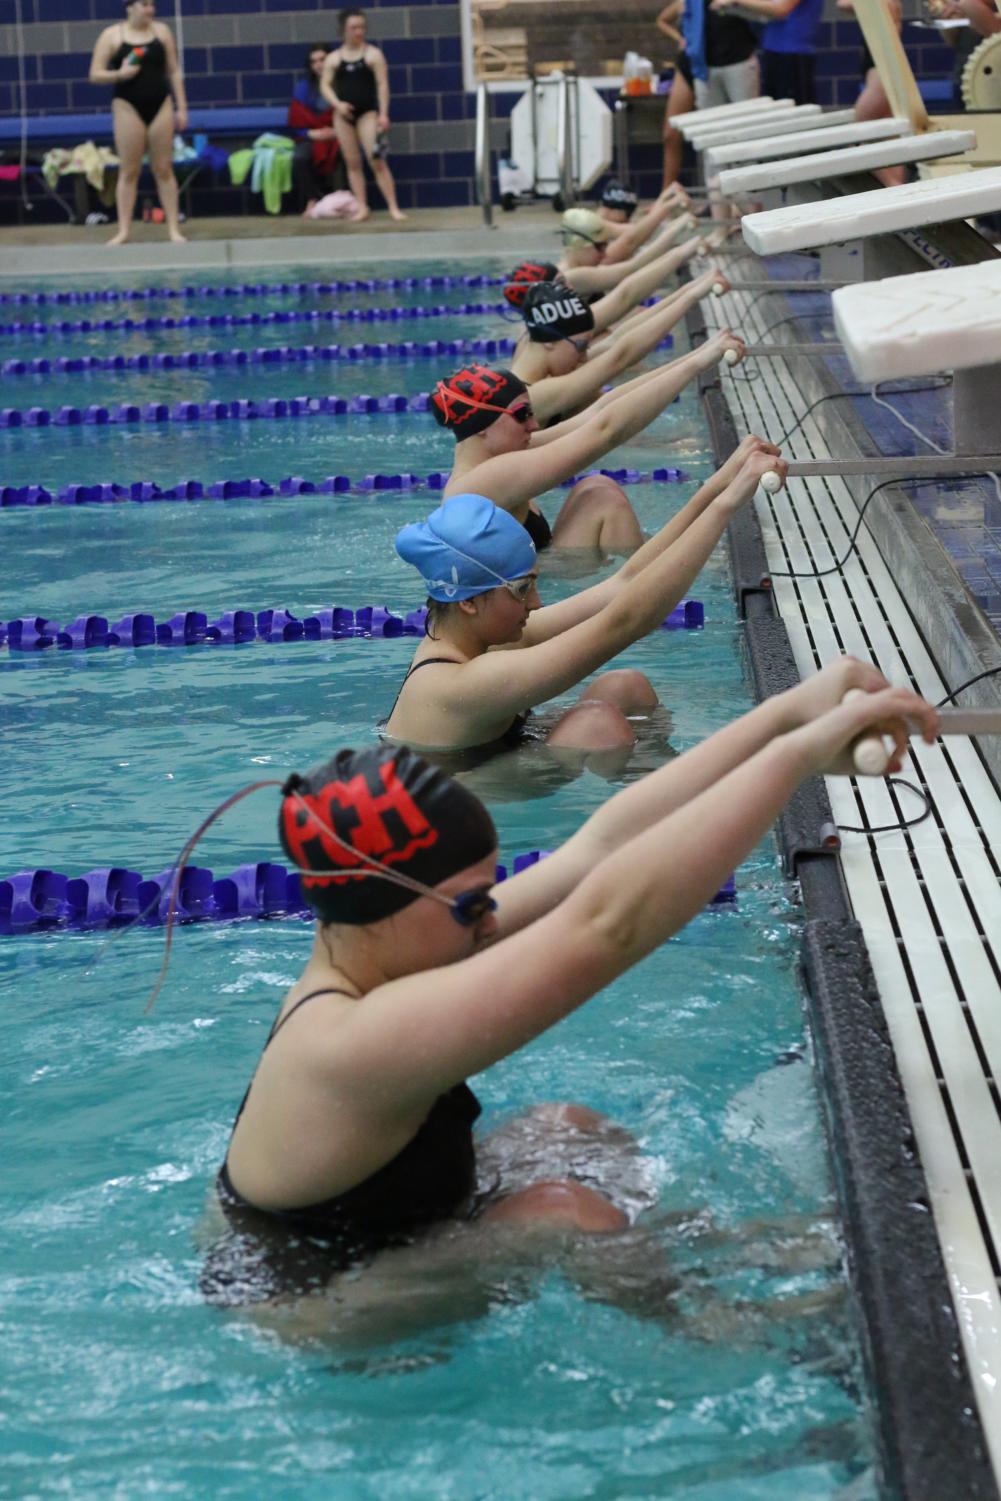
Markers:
point(917, 466)
point(821, 284)
point(781, 351)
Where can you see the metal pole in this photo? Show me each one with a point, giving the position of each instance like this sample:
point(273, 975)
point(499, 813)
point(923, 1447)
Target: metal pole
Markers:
point(924, 466)
point(484, 192)
point(563, 141)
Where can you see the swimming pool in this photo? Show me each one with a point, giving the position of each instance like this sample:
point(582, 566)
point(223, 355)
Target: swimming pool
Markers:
point(118, 1379)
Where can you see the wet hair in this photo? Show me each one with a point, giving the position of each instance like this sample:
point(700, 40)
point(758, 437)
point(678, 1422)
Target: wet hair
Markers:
point(346, 15)
point(316, 47)
point(437, 613)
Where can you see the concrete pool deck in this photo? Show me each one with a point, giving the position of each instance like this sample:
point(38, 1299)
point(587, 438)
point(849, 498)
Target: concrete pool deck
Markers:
point(428, 234)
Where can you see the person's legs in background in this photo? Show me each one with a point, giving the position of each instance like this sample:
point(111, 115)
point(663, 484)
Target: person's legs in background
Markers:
point(679, 102)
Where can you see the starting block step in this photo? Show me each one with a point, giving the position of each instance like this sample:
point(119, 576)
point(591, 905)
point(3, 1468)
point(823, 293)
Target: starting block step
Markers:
point(807, 117)
point(932, 200)
point(917, 325)
point(856, 134)
point(821, 164)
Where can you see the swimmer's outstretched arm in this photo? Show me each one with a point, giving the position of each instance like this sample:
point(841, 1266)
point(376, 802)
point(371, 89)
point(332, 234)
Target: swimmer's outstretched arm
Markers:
point(588, 279)
point(510, 479)
point(555, 618)
point(559, 393)
point(629, 238)
point(630, 293)
point(448, 1023)
point(542, 886)
point(506, 683)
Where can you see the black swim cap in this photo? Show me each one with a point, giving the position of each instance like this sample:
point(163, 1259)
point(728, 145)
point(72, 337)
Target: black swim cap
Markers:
point(555, 312)
point(389, 805)
point(617, 196)
point(471, 399)
point(526, 275)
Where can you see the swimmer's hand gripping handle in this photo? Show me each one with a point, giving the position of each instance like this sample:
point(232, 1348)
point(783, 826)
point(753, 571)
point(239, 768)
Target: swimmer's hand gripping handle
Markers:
point(870, 754)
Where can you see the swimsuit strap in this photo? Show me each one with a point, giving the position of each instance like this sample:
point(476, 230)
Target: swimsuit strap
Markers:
point(428, 662)
point(327, 990)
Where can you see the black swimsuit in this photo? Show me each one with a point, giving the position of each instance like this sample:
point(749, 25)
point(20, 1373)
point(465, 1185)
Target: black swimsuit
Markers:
point(466, 758)
point(148, 90)
point(538, 529)
point(354, 83)
point(273, 1251)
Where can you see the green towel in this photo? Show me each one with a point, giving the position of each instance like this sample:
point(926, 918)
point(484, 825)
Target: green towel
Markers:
point(269, 161)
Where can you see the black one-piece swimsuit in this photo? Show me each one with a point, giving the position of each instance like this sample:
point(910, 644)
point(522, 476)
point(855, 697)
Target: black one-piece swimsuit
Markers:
point(148, 90)
point(270, 1252)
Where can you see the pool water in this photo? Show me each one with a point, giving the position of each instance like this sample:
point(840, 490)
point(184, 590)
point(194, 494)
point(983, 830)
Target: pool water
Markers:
point(117, 1380)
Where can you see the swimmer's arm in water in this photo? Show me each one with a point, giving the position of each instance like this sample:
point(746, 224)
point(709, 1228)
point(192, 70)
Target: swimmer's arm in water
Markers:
point(421, 1034)
point(640, 284)
point(552, 619)
point(539, 888)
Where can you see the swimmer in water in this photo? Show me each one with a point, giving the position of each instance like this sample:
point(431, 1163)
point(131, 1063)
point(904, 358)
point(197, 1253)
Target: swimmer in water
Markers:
point(353, 1148)
point(613, 308)
point(501, 452)
point(557, 359)
point(492, 653)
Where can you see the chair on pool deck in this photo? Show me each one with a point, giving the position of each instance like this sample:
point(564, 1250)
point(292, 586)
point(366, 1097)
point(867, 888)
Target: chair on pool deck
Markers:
point(933, 321)
point(904, 150)
point(855, 134)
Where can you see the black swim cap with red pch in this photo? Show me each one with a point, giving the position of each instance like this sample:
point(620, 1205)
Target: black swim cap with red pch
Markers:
point(526, 275)
point(472, 399)
point(389, 806)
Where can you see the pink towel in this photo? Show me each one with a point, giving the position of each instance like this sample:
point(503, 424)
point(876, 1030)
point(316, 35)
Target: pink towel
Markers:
point(9, 174)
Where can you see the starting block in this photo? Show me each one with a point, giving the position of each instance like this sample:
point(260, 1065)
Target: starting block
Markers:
point(807, 117)
point(932, 200)
point(856, 134)
point(823, 164)
point(932, 321)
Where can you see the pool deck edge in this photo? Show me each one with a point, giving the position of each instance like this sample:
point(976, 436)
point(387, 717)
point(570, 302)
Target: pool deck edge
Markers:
point(929, 1436)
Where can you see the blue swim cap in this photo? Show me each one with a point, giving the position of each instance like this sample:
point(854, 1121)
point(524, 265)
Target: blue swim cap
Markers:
point(466, 547)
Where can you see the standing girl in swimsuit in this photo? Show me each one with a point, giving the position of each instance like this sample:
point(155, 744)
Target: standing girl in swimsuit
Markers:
point(354, 1142)
point(355, 82)
point(139, 57)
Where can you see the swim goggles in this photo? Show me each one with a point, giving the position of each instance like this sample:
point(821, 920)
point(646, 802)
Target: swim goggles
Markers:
point(521, 588)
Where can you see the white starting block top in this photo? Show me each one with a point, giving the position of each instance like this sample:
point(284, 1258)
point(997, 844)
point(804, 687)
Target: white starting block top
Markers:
point(917, 325)
point(821, 164)
point(697, 128)
point(806, 140)
point(810, 118)
point(933, 200)
point(727, 111)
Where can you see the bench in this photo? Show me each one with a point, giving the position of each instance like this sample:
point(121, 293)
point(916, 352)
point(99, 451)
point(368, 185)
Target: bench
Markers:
point(806, 140)
point(235, 126)
point(899, 151)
